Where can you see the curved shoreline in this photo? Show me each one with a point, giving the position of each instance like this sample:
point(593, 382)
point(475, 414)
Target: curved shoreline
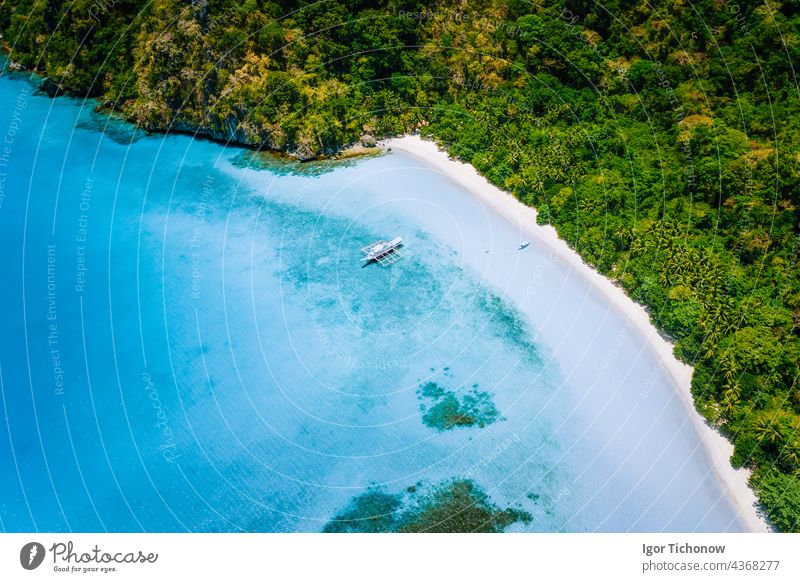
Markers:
point(717, 448)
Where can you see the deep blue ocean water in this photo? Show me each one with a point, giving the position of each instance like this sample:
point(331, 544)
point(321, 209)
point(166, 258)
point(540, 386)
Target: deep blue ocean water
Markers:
point(189, 343)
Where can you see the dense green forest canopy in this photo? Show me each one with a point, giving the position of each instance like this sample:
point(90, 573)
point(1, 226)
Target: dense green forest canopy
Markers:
point(661, 139)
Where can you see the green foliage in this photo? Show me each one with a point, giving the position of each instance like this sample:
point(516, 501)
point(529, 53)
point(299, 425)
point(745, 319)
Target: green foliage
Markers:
point(780, 493)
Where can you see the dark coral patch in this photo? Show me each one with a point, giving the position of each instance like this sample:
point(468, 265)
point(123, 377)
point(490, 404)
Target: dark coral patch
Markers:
point(452, 507)
point(449, 410)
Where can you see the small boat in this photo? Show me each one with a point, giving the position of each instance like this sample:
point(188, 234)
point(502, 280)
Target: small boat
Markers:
point(523, 245)
point(384, 252)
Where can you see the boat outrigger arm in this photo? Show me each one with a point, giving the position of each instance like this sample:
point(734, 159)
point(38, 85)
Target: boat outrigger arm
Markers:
point(383, 252)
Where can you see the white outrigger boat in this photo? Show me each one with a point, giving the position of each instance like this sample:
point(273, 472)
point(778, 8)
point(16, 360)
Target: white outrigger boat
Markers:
point(383, 252)
point(524, 244)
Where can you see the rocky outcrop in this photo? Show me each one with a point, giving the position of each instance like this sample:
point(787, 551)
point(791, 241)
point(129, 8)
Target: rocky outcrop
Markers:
point(230, 130)
point(227, 129)
point(52, 87)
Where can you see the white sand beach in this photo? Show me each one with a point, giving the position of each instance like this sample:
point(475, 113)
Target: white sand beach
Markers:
point(716, 447)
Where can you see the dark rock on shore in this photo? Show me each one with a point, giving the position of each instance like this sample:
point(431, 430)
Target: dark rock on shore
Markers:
point(51, 87)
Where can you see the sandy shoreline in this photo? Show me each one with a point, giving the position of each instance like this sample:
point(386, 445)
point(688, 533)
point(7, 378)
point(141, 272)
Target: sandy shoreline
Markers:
point(718, 449)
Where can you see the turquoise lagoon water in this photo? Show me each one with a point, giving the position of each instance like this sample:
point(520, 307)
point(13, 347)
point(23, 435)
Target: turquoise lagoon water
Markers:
point(188, 342)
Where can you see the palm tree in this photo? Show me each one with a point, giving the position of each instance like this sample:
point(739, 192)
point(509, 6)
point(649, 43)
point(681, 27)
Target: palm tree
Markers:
point(640, 244)
point(768, 427)
point(733, 391)
point(514, 152)
point(728, 403)
point(790, 454)
point(729, 368)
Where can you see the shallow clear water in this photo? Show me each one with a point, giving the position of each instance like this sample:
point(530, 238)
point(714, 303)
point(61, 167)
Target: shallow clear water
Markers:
point(189, 343)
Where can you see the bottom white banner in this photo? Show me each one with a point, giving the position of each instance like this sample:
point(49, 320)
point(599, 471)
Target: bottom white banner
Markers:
point(356, 557)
